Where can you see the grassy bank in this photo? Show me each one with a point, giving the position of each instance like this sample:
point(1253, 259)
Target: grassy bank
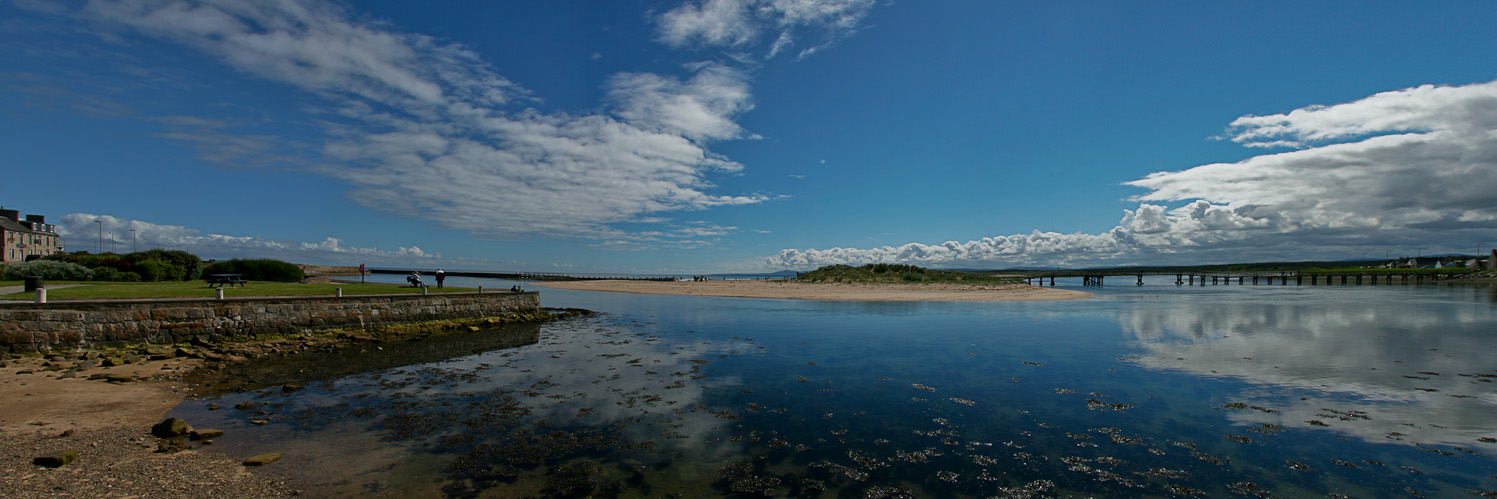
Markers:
point(118, 290)
point(883, 273)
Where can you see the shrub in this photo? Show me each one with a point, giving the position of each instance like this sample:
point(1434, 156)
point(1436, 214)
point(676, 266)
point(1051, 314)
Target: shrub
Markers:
point(171, 265)
point(257, 269)
point(49, 270)
point(157, 270)
point(113, 274)
point(191, 267)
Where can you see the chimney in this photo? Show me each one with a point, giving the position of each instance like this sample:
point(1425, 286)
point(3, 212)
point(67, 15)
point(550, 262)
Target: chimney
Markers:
point(13, 215)
point(37, 219)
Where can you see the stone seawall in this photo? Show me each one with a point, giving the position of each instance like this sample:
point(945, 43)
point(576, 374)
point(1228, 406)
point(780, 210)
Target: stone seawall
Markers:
point(32, 327)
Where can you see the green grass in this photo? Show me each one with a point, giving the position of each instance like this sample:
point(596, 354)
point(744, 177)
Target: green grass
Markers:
point(881, 273)
point(107, 290)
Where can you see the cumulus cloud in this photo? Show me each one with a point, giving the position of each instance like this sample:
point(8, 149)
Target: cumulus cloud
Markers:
point(740, 24)
point(80, 233)
point(1410, 167)
point(427, 129)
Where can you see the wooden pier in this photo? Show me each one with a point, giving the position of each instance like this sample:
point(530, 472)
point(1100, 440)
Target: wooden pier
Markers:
point(1095, 278)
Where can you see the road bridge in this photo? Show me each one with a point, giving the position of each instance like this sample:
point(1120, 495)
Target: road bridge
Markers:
point(1312, 278)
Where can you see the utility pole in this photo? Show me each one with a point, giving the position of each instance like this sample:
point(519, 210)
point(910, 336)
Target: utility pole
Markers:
point(132, 240)
point(111, 241)
point(100, 246)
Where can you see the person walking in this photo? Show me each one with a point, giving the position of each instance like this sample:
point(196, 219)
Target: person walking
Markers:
point(441, 276)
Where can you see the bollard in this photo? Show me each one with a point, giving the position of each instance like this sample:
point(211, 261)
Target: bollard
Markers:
point(338, 292)
point(480, 290)
point(220, 293)
point(423, 290)
point(41, 295)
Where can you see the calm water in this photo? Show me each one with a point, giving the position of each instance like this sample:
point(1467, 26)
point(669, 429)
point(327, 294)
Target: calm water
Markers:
point(1154, 391)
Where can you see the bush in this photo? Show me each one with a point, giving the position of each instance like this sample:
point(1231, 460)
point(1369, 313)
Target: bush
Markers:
point(49, 270)
point(257, 269)
point(157, 270)
point(113, 274)
point(150, 265)
point(191, 267)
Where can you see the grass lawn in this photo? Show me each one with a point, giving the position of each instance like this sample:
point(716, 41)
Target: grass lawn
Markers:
point(98, 290)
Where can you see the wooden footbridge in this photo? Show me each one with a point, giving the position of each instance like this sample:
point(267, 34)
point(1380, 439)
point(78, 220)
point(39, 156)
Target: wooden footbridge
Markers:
point(1412, 276)
point(520, 276)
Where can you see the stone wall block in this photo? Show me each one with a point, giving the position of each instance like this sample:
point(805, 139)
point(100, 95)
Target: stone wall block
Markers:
point(30, 327)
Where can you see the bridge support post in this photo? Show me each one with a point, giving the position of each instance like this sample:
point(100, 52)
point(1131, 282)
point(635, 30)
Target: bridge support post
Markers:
point(1052, 281)
point(1179, 279)
point(1140, 279)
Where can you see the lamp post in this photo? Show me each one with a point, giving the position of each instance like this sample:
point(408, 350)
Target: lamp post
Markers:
point(100, 246)
point(111, 241)
point(132, 240)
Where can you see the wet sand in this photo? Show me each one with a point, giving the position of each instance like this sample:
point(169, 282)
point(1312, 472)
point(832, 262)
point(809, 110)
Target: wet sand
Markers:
point(45, 412)
point(829, 291)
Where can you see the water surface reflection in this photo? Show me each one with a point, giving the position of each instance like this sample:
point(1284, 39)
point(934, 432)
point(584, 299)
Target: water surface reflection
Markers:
point(1218, 393)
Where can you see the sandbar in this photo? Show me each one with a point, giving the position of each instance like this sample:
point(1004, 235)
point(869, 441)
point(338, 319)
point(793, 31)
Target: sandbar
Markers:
point(828, 291)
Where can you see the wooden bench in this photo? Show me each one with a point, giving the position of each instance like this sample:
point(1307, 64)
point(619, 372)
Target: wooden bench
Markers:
point(225, 280)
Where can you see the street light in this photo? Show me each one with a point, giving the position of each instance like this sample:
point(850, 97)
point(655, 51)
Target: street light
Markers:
point(100, 247)
point(132, 240)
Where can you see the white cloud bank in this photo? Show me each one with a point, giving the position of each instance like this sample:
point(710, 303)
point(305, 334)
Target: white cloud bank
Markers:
point(80, 233)
point(1397, 170)
point(426, 128)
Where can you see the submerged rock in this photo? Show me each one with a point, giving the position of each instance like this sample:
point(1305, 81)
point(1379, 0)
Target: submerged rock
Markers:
point(263, 459)
point(208, 434)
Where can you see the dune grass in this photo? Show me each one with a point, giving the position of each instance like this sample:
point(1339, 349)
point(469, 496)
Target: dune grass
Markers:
point(116, 290)
point(883, 273)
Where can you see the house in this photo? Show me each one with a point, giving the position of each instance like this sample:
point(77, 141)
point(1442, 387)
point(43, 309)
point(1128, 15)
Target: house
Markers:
point(32, 237)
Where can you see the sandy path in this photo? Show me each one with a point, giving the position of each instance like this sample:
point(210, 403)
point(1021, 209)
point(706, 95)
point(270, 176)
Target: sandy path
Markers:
point(829, 291)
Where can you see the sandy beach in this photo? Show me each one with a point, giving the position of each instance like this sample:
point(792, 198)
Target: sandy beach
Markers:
point(829, 291)
point(109, 424)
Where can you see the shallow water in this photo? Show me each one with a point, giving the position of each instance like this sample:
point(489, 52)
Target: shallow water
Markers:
point(1153, 391)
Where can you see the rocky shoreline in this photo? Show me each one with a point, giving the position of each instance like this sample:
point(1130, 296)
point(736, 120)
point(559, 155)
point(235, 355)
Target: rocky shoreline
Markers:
point(88, 423)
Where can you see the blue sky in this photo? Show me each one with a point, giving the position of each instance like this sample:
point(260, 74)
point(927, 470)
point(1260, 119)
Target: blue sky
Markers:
point(754, 135)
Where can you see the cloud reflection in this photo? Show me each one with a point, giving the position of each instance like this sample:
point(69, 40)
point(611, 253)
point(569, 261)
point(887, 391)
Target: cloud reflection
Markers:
point(1406, 372)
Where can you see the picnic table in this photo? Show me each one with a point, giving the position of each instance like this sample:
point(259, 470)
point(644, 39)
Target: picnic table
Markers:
point(225, 280)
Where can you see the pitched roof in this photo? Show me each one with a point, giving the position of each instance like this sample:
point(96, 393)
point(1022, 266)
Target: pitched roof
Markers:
point(14, 226)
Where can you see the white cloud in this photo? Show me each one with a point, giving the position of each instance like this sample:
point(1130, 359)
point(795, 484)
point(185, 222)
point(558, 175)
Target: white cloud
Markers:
point(699, 109)
point(80, 233)
point(739, 24)
point(1412, 168)
point(427, 129)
